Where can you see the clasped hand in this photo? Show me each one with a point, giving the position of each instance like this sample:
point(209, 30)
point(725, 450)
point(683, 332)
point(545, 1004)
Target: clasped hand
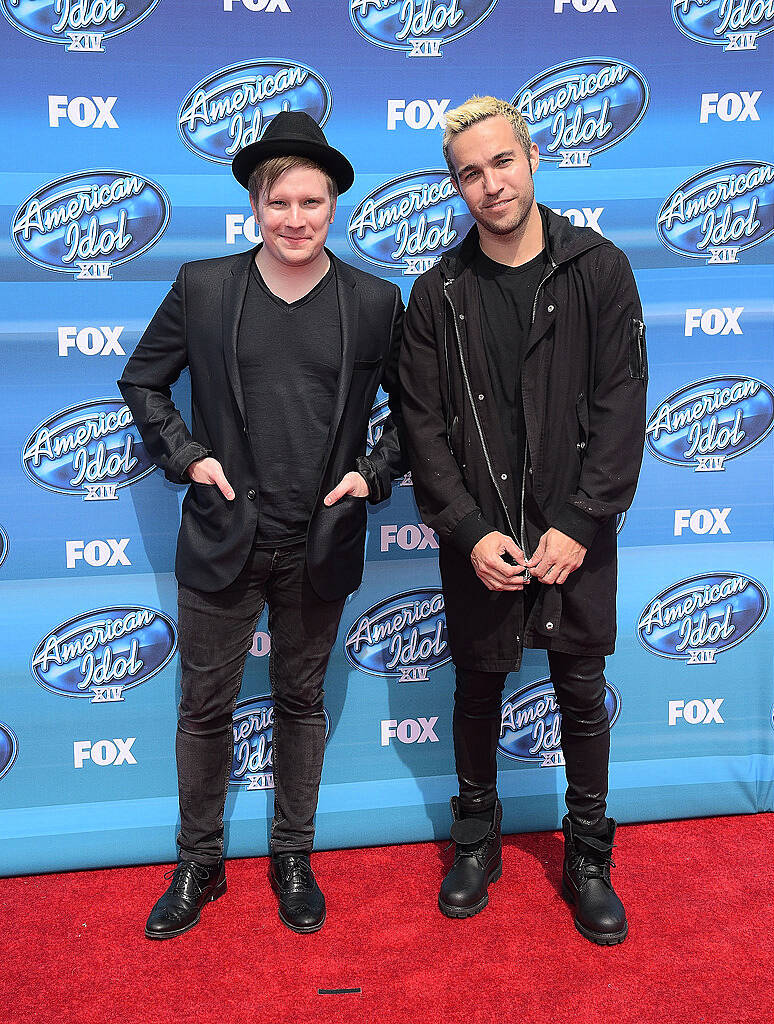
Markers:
point(555, 557)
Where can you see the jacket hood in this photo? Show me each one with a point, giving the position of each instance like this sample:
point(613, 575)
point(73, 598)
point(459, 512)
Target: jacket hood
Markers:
point(563, 241)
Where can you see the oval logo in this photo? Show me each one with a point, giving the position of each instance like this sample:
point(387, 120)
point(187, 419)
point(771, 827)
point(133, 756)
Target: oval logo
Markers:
point(698, 618)
point(4, 545)
point(583, 107)
point(9, 747)
point(419, 29)
point(720, 212)
point(406, 224)
point(82, 25)
point(102, 653)
point(531, 723)
point(232, 107)
point(379, 413)
point(732, 24)
point(253, 763)
point(706, 423)
point(92, 449)
point(89, 222)
point(402, 637)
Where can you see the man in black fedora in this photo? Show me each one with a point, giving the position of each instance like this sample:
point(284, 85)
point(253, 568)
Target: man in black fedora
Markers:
point(286, 347)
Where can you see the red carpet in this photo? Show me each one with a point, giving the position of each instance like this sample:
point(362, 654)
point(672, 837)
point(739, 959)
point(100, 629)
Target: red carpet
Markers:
point(698, 894)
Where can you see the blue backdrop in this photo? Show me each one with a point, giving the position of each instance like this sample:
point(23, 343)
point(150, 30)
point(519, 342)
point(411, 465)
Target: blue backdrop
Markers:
point(653, 119)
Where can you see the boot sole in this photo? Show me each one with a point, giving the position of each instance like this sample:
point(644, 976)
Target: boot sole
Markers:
point(217, 892)
point(460, 912)
point(599, 938)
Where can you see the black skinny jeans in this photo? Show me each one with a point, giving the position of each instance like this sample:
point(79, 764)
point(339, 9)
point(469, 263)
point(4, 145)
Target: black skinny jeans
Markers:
point(579, 684)
point(215, 633)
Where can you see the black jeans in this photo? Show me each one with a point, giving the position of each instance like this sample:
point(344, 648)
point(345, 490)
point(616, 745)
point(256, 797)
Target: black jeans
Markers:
point(579, 684)
point(215, 633)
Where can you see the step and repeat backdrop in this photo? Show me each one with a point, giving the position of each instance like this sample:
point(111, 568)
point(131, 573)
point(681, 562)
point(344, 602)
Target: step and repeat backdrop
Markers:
point(654, 122)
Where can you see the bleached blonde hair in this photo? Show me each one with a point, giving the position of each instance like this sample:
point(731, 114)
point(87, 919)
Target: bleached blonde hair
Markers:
point(479, 108)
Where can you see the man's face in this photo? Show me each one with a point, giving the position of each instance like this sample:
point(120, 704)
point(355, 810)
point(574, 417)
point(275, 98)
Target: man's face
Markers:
point(294, 219)
point(494, 175)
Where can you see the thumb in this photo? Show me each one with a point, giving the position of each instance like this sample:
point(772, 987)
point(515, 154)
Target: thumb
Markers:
point(338, 492)
point(540, 550)
point(225, 487)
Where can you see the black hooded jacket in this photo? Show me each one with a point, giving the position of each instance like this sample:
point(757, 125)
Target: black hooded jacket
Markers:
point(583, 387)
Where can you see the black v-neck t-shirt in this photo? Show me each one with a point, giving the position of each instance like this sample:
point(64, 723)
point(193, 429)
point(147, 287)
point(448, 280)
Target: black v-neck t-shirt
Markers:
point(289, 359)
point(507, 297)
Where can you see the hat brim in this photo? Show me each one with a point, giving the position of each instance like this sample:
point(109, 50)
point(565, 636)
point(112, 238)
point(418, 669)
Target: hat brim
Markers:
point(335, 163)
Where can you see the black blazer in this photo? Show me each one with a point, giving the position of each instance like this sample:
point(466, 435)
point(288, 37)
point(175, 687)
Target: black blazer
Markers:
point(197, 325)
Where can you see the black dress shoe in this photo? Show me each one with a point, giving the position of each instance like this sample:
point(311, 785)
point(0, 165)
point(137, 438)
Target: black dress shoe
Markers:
point(599, 914)
point(477, 862)
point(301, 902)
point(193, 885)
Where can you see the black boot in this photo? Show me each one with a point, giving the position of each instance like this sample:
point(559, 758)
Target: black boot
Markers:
point(599, 914)
point(301, 902)
point(193, 885)
point(477, 862)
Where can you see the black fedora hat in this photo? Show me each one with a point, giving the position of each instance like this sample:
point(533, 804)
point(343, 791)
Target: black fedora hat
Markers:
point(294, 133)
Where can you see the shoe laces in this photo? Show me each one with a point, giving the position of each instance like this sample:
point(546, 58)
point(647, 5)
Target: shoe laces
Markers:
point(187, 877)
point(297, 872)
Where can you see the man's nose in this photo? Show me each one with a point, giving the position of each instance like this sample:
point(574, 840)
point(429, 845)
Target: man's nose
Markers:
point(491, 181)
point(295, 216)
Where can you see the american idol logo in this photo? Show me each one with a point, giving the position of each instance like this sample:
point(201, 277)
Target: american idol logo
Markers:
point(732, 24)
point(102, 653)
point(720, 212)
point(402, 637)
point(9, 747)
point(90, 221)
point(82, 25)
point(4, 544)
point(698, 618)
point(253, 763)
point(531, 723)
point(409, 222)
point(706, 423)
point(379, 413)
point(232, 107)
point(420, 27)
point(92, 449)
point(579, 109)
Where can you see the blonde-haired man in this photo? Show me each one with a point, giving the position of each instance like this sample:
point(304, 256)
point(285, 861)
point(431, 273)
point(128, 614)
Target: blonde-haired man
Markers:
point(286, 347)
point(523, 373)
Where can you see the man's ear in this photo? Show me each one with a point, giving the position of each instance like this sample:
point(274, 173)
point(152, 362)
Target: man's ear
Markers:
point(534, 157)
point(254, 208)
point(333, 211)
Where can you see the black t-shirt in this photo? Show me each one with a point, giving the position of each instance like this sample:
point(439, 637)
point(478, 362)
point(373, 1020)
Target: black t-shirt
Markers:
point(507, 296)
point(289, 360)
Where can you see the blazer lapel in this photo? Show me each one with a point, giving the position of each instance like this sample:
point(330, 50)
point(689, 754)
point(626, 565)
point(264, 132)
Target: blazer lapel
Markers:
point(234, 292)
point(349, 305)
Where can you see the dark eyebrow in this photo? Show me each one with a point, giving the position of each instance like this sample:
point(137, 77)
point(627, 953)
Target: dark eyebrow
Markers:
point(497, 156)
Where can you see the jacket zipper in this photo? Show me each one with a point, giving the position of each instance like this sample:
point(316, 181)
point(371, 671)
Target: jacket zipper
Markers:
point(526, 442)
point(469, 392)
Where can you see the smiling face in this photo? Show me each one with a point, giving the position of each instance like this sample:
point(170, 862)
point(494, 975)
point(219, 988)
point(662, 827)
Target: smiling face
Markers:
point(295, 216)
point(494, 176)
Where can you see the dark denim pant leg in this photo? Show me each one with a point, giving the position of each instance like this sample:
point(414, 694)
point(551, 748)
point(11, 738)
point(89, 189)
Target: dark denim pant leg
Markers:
point(579, 684)
point(215, 632)
point(303, 630)
point(476, 731)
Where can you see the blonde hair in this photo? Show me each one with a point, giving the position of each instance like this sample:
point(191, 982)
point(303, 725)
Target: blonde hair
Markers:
point(479, 108)
point(267, 173)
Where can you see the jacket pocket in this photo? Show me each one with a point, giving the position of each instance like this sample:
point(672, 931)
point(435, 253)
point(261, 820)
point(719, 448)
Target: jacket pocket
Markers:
point(638, 356)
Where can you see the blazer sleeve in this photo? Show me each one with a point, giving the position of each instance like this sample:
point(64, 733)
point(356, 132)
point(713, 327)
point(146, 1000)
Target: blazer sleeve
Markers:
point(616, 405)
point(157, 362)
point(388, 457)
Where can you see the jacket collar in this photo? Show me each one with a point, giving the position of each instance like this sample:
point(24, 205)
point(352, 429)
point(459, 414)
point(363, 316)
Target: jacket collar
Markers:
point(564, 242)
